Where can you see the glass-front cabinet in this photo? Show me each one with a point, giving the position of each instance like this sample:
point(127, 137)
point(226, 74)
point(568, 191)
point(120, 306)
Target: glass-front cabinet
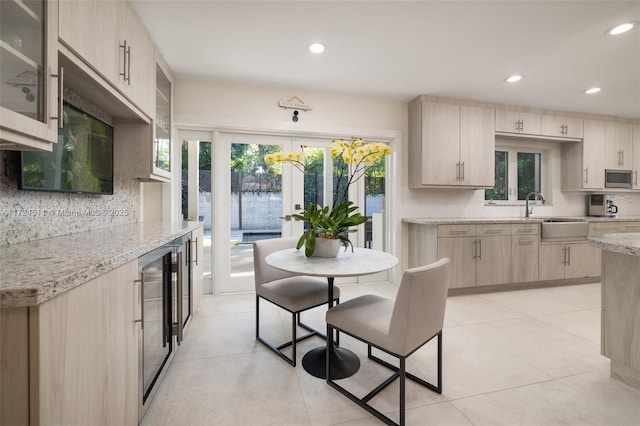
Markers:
point(29, 76)
point(162, 136)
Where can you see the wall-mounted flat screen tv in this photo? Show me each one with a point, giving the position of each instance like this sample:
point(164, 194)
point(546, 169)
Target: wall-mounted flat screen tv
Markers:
point(81, 162)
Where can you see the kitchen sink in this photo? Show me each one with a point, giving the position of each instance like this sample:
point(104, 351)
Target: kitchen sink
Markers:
point(564, 229)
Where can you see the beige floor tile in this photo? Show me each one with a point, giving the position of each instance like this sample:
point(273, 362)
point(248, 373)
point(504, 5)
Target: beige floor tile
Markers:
point(584, 323)
point(476, 309)
point(548, 348)
point(531, 302)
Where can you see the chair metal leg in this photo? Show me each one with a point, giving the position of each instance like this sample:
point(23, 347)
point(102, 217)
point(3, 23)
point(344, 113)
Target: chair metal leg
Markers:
point(398, 372)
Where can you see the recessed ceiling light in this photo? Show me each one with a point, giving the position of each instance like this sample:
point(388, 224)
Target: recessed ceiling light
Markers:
point(513, 78)
point(592, 90)
point(316, 47)
point(622, 28)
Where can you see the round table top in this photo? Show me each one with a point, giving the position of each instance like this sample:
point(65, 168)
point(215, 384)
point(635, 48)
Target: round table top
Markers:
point(348, 264)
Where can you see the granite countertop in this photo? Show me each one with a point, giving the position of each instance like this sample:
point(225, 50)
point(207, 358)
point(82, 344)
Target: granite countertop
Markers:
point(36, 271)
point(628, 243)
point(533, 219)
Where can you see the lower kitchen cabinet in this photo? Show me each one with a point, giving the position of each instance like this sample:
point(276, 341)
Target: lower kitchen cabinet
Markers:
point(77, 354)
point(524, 258)
point(461, 252)
point(568, 260)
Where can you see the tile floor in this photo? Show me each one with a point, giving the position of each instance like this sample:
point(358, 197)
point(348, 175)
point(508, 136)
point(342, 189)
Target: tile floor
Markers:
point(528, 357)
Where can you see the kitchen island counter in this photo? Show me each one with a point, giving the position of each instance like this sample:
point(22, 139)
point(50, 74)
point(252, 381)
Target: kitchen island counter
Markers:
point(36, 271)
point(620, 339)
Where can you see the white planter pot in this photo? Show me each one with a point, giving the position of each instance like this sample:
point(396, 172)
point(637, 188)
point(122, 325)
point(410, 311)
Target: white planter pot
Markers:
point(327, 247)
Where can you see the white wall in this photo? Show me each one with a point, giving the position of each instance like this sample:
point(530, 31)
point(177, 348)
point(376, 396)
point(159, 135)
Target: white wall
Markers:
point(210, 104)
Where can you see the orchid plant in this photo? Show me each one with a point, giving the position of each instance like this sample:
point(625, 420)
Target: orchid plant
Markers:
point(337, 222)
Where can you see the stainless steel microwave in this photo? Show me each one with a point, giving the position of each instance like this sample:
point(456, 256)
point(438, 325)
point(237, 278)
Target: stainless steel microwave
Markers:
point(617, 179)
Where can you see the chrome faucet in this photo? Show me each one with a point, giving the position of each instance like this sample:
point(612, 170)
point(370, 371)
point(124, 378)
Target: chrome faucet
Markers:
point(528, 211)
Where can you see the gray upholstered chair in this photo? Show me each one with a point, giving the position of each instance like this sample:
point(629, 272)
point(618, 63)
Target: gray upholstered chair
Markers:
point(292, 292)
point(398, 327)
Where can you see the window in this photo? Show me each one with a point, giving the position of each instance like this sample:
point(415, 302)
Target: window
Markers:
point(520, 167)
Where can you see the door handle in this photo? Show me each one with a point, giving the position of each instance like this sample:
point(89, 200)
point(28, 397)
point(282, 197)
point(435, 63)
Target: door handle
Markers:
point(141, 281)
point(287, 217)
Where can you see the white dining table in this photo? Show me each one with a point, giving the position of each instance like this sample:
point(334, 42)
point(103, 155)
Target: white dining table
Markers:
point(360, 261)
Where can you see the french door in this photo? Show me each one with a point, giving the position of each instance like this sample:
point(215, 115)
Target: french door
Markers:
point(243, 199)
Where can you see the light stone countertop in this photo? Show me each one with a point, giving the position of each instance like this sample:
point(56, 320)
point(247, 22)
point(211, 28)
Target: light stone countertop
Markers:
point(628, 243)
point(36, 271)
point(533, 219)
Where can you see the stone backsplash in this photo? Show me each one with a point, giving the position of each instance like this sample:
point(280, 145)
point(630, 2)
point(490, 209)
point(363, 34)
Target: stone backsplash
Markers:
point(33, 215)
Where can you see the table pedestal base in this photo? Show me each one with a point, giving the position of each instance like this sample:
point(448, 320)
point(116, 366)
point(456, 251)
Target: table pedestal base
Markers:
point(344, 363)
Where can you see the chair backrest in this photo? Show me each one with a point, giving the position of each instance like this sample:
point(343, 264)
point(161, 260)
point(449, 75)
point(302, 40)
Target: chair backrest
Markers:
point(418, 312)
point(265, 273)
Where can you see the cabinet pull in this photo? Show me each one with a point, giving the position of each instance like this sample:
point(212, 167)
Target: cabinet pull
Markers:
point(480, 249)
point(126, 56)
point(60, 117)
point(564, 255)
point(462, 168)
point(525, 242)
point(179, 298)
point(622, 157)
point(458, 170)
point(196, 256)
point(569, 256)
point(141, 281)
point(635, 178)
point(586, 175)
point(494, 231)
point(458, 232)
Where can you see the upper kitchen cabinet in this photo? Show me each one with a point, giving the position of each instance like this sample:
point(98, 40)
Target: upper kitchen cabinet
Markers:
point(560, 126)
point(518, 122)
point(450, 145)
point(109, 37)
point(29, 75)
point(143, 151)
point(618, 141)
point(583, 163)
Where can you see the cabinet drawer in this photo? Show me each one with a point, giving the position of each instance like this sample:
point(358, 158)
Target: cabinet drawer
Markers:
point(525, 228)
point(603, 228)
point(489, 230)
point(629, 227)
point(456, 231)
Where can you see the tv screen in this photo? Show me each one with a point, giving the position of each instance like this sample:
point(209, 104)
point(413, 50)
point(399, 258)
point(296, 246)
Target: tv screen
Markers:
point(81, 161)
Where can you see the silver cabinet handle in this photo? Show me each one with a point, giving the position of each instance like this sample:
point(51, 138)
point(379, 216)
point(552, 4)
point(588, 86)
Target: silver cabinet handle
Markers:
point(635, 178)
point(480, 249)
point(586, 175)
point(462, 167)
point(196, 256)
point(458, 232)
point(569, 256)
point(525, 242)
point(60, 117)
point(287, 217)
point(179, 298)
point(141, 281)
point(126, 68)
point(458, 170)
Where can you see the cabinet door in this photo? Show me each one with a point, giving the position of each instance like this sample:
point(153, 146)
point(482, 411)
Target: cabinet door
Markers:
point(87, 352)
point(461, 251)
point(618, 145)
point(564, 127)
point(139, 67)
point(493, 260)
point(524, 258)
point(440, 144)
point(477, 146)
point(29, 106)
point(593, 148)
point(518, 122)
point(89, 28)
point(552, 261)
point(583, 260)
point(629, 227)
point(603, 228)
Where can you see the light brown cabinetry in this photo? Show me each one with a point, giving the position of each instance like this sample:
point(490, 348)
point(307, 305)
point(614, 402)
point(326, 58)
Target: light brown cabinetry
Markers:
point(109, 37)
point(29, 107)
point(561, 126)
point(82, 355)
point(143, 151)
point(479, 253)
point(450, 145)
point(524, 252)
point(583, 163)
point(618, 145)
point(518, 122)
point(568, 260)
point(613, 227)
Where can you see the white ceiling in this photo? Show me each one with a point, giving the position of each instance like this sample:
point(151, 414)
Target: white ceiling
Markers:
point(399, 49)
